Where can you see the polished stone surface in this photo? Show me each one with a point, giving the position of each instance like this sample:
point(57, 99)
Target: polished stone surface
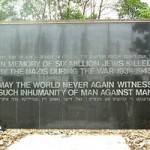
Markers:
point(32, 53)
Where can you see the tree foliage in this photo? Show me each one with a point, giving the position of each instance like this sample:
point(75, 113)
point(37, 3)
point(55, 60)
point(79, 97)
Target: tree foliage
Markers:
point(36, 9)
point(70, 9)
point(132, 9)
point(7, 10)
point(52, 9)
point(72, 13)
point(145, 13)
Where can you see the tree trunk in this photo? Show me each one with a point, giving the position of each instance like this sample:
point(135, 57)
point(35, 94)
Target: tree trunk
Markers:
point(68, 9)
point(44, 9)
point(60, 11)
point(84, 6)
point(100, 9)
point(49, 9)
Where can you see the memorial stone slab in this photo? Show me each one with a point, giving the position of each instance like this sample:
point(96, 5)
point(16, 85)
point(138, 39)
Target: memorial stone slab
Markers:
point(75, 75)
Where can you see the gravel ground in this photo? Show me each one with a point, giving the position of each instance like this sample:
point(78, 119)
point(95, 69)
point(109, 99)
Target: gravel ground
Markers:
point(136, 139)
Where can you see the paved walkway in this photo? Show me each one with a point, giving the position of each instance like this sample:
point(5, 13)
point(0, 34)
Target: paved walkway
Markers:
point(75, 142)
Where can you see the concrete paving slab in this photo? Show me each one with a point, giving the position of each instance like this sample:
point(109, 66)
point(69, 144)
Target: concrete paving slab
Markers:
point(74, 142)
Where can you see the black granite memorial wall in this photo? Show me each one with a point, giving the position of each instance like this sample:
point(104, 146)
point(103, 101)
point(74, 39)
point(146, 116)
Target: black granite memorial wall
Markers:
point(75, 75)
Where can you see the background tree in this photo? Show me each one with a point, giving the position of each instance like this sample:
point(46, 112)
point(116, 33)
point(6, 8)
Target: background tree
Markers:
point(72, 14)
point(131, 8)
point(145, 12)
point(36, 10)
point(84, 4)
point(103, 6)
point(50, 9)
point(71, 9)
point(64, 9)
point(7, 10)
